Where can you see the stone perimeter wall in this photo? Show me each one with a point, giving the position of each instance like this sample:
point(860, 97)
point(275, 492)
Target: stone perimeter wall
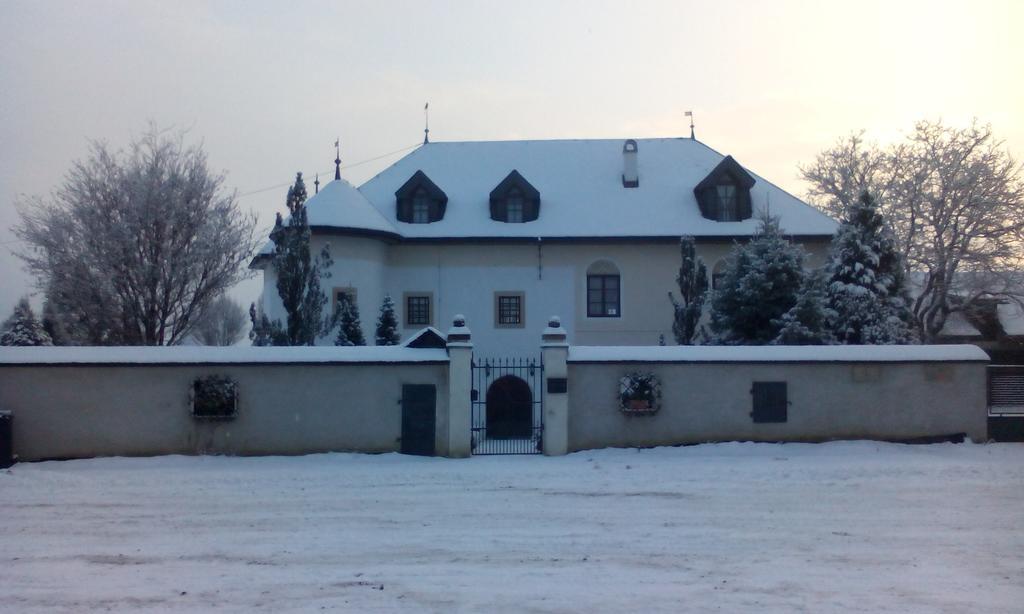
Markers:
point(78, 411)
point(703, 402)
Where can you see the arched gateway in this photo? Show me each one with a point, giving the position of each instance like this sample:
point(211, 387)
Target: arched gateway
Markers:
point(509, 408)
point(507, 414)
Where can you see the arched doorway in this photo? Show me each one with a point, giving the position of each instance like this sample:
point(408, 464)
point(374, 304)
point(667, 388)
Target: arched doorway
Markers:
point(509, 408)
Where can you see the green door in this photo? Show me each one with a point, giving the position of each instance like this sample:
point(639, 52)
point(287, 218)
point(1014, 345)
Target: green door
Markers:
point(418, 418)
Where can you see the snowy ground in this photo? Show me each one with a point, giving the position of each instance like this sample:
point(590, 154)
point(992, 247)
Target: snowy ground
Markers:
point(841, 527)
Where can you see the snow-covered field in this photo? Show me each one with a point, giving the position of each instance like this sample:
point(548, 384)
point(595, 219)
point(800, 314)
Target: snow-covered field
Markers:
point(840, 527)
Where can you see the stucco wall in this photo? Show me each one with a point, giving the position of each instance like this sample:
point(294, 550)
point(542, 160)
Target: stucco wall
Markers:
point(712, 402)
point(106, 410)
point(463, 277)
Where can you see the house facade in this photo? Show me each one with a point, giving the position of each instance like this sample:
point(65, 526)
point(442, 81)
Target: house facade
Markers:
point(510, 233)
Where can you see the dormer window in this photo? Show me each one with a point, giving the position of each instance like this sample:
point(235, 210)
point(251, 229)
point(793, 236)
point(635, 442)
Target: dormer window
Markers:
point(724, 195)
point(727, 203)
point(514, 207)
point(420, 201)
point(514, 200)
point(421, 207)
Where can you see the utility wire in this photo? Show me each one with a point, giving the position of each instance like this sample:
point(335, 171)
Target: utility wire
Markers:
point(328, 171)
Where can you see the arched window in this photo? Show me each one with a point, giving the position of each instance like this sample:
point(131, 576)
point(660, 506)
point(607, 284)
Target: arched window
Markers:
point(604, 290)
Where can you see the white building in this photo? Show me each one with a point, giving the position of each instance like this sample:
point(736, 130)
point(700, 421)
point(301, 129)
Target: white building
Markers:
point(510, 233)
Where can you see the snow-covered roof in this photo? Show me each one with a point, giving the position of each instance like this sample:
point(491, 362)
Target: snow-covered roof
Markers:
point(169, 355)
point(779, 353)
point(340, 205)
point(956, 325)
point(581, 191)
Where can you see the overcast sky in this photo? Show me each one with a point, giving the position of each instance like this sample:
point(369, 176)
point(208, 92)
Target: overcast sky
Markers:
point(268, 86)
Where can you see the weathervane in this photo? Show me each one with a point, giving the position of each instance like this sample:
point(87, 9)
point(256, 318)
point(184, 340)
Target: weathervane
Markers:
point(426, 123)
point(316, 184)
point(337, 158)
point(690, 115)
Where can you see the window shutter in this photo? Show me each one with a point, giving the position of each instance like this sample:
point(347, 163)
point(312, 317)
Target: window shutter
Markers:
point(706, 200)
point(405, 210)
point(770, 402)
point(498, 210)
point(531, 208)
point(743, 205)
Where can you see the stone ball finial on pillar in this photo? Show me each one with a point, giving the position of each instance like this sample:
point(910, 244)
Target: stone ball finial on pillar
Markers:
point(554, 334)
point(459, 332)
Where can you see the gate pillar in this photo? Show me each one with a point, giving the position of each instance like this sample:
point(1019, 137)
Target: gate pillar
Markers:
point(555, 351)
point(460, 379)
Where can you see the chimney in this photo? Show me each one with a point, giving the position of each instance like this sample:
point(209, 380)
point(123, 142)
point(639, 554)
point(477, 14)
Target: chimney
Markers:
point(630, 178)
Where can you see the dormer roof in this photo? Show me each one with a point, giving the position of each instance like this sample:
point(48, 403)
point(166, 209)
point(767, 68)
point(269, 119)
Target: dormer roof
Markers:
point(583, 195)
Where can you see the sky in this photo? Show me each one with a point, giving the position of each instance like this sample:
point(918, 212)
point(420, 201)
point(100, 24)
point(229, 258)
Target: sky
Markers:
point(267, 87)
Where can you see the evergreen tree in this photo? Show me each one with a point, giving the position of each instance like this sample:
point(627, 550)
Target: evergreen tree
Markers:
point(264, 332)
point(298, 274)
point(350, 331)
point(22, 328)
point(387, 323)
point(807, 322)
point(761, 282)
point(693, 286)
point(866, 279)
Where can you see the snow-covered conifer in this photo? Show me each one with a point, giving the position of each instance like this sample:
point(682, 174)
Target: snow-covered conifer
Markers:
point(807, 322)
point(23, 329)
point(865, 280)
point(761, 282)
point(693, 286)
point(387, 323)
point(264, 332)
point(298, 274)
point(350, 330)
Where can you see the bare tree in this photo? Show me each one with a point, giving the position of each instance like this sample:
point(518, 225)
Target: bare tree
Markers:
point(955, 201)
point(134, 245)
point(222, 323)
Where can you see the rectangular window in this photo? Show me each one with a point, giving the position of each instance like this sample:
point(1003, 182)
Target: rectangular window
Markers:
point(508, 310)
point(770, 402)
point(514, 209)
point(343, 293)
point(420, 209)
point(727, 209)
point(417, 310)
point(603, 296)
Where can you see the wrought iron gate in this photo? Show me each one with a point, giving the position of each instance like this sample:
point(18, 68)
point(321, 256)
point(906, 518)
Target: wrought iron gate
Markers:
point(507, 409)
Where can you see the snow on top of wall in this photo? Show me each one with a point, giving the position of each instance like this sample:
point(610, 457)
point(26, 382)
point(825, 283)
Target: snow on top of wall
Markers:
point(581, 191)
point(778, 353)
point(216, 355)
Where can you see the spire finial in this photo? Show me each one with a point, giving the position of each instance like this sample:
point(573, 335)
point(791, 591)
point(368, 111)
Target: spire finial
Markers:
point(690, 115)
point(337, 158)
point(316, 184)
point(426, 123)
